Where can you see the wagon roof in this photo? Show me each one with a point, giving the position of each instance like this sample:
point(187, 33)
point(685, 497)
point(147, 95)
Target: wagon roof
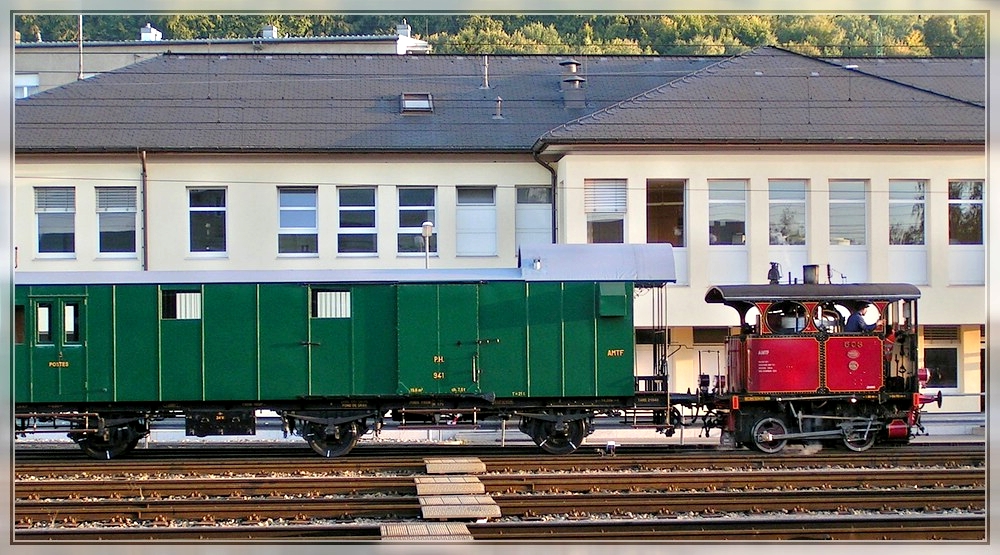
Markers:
point(811, 292)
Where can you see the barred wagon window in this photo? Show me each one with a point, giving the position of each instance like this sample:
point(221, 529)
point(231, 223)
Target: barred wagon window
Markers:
point(331, 304)
point(181, 305)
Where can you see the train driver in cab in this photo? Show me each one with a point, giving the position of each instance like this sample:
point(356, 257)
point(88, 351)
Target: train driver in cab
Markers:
point(856, 322)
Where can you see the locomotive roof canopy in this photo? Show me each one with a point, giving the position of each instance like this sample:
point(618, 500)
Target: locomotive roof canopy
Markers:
point(737, 294)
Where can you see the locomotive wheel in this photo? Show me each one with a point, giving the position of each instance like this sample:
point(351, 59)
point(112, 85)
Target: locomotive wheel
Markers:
point(860, 440)
point(332, 445)
point(558, 441)
point(120, 441)
point(763, 429)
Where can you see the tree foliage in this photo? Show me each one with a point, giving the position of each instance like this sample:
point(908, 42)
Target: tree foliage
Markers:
point(667, 34)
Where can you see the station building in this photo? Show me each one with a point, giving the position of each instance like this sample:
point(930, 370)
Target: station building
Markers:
point(872, 169)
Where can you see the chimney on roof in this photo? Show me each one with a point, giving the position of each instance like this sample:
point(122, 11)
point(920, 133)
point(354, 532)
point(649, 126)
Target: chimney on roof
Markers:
point(574, 95)
point(149, 33)
point(270, 32)
point(403, 29)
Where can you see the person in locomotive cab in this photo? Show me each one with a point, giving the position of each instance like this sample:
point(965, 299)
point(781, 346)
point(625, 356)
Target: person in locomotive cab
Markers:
point(856, 322)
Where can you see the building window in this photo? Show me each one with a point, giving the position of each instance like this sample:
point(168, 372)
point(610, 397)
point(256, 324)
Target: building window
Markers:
point(965, 212)
point(848, 213)
point(180, 305)
point(297, 221)
point(416, 206)
point(727, 212)
point(533, 216)
point(416, 103)
point(665, 211)
point(208, 220)
point(476, 221)
point(116, 214)
point(605, 202)
point(56, 211)
point(906, 212)
point(25, 84)
point(357, 232)
point(787, 212)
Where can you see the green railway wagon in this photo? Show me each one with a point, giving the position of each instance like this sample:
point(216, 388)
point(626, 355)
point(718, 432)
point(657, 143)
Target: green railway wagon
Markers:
point(101, 356)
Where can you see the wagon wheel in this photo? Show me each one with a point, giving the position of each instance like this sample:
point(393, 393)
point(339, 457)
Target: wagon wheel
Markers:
point(340, 442)
point(120, 441)
point(860, 437)
point(558, 440)
point(763, 430)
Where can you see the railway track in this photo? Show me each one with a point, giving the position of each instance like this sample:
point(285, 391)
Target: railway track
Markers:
point(586, 497)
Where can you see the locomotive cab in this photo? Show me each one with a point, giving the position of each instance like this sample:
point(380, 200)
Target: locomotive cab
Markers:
point(820, 363)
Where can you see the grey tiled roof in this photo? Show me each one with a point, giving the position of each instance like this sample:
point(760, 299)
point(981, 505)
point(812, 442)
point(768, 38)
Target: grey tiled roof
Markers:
point(961, 78)
point(326, 102)
point(350, 103)
point(772, 96)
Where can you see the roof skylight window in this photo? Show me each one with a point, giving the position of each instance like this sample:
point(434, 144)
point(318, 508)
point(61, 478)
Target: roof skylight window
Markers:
point(415, 102)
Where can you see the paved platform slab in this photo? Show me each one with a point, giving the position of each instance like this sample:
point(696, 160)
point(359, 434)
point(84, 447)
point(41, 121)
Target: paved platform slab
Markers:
point(455, 465)
point(445, 485)
point(451, 507)
point(429, 532)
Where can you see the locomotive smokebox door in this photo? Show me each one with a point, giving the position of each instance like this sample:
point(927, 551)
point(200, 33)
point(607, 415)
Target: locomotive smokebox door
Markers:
point(220, 423)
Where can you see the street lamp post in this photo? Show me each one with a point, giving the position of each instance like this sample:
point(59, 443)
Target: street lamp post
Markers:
point(427, 229)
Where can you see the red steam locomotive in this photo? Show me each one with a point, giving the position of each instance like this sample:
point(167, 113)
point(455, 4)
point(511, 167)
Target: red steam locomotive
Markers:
point(818, 362)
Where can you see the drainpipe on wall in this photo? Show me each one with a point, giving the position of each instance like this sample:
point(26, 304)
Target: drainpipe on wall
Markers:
point(552, 171)
point(145, 216)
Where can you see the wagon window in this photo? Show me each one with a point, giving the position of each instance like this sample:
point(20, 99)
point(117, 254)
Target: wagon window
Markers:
point(71, 322)
point(181, 305)
point(331, 304)
point(19, 324)
point(43, 322)
point(786, 317)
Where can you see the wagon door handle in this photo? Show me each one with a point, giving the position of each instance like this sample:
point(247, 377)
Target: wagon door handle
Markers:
point(309, 343)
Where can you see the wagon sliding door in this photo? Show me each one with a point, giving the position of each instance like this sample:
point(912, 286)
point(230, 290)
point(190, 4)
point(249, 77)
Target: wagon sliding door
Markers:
point(438, 338)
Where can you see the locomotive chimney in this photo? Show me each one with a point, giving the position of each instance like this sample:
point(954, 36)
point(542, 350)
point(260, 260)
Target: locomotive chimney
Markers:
point(810, 273)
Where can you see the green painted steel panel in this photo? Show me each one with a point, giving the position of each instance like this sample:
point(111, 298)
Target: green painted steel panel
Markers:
point(374, 339)
point(23, 331)
point(503, 327)
point(545, 339)
point(100, 342)
point(438, 328)
point(612, 300)
point(136, 376)
point(616, 350)
point(579, 339)
point(330, 345)
point(230, 341)
point(284, 333)
point(181, 357)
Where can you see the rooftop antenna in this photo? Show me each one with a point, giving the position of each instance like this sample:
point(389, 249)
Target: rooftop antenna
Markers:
point(486, 72)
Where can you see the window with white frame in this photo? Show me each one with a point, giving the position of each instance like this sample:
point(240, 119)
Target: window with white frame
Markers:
point(787, 211)
point(727, 212)
point(965, 212)
point(357, 230)
point(605, 203)
point(906, 212)
point(476, 221)
point(416, 206)
point(665, 211)
point(848, 212)
point(25, 84)
point(116, 219)
point(533, 215)
point(207, 220)
point(298, 232)
point(55, 209)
